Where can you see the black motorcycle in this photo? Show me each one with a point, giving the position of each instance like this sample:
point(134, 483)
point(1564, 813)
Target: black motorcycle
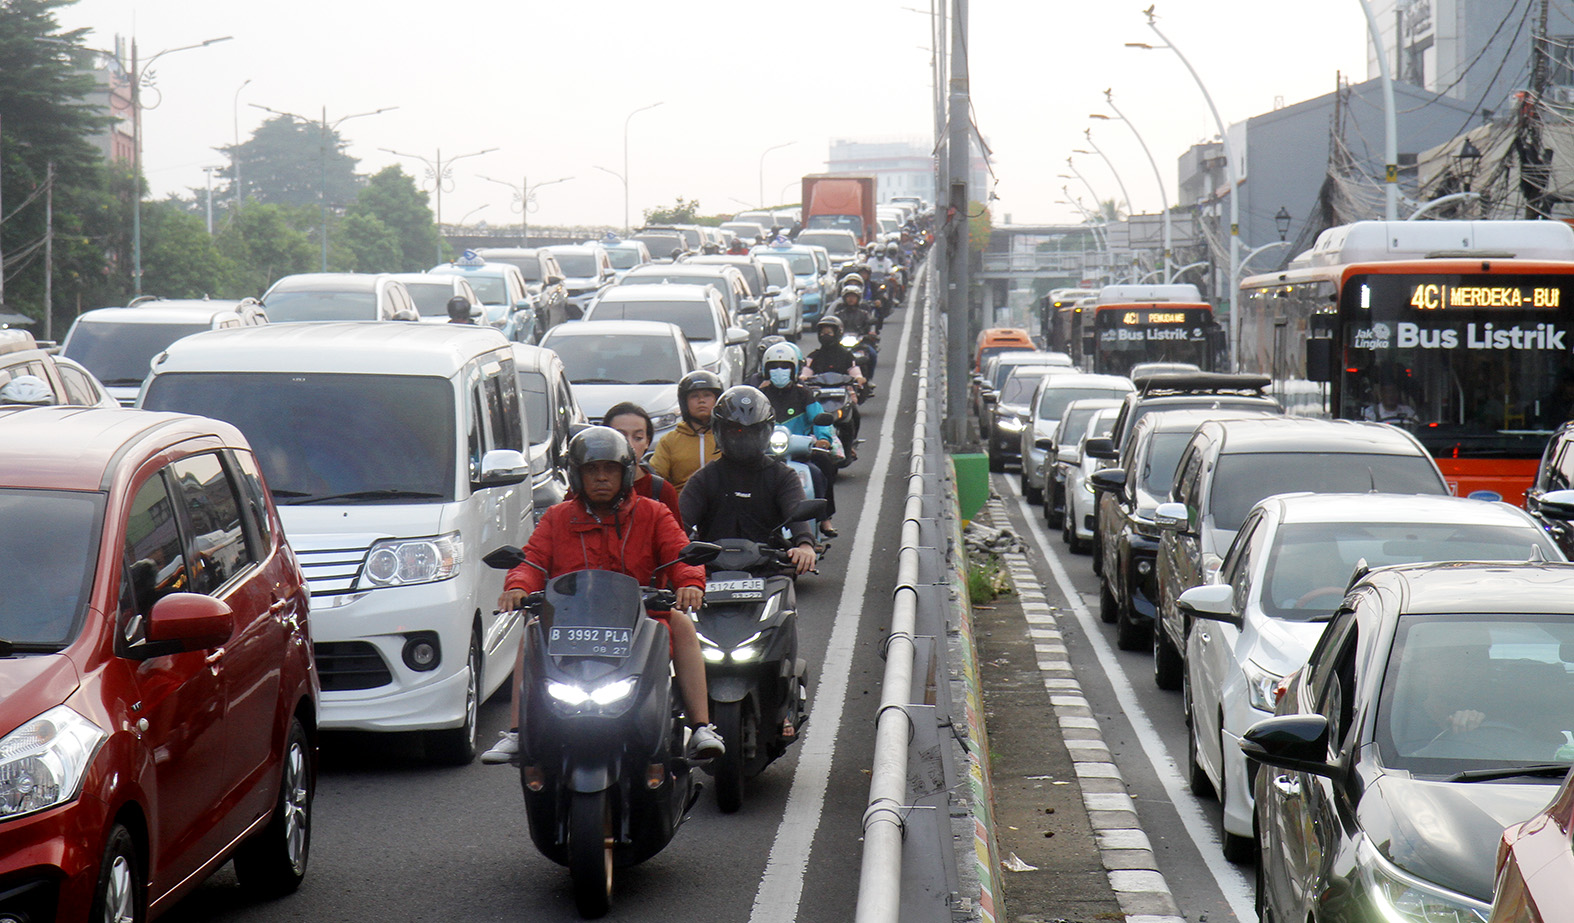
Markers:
point(836, 393)
point(757, 683)
point(602, 743)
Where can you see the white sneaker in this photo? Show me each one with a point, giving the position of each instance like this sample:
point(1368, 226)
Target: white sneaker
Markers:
point(506, 750)
point(706, 743)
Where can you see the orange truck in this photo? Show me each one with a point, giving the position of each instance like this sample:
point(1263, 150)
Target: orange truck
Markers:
point(841, 203)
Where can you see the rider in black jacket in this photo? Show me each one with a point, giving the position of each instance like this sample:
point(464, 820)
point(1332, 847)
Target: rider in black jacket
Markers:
point(832, 356)
point(746, 493)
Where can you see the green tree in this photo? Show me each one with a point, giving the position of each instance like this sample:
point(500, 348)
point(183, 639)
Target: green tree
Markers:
point(980, 226)
point(180, 259)
point(282, 163)
point(365, 244)
point(681, 211)
point(265, 242)
point(46, 117)
point(391, 199)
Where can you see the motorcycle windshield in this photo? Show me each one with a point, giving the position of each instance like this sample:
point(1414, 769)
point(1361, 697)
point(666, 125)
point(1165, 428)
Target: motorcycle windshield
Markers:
point(593, 598)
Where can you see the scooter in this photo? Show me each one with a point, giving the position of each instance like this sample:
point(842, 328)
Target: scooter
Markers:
point(837, 394)
point(865, 350)
point(757, 683)
point(601, 741)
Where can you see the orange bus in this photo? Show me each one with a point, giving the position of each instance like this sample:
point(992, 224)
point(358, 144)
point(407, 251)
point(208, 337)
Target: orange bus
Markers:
point(1461, 332)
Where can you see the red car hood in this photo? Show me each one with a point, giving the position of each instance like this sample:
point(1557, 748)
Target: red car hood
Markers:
point(31, 684)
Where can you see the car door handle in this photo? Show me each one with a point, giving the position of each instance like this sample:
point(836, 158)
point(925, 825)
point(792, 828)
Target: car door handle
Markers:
point(1288, 786)
point(279, 605)
point(214, 659)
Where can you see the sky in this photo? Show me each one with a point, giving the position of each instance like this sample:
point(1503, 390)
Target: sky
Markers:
point(552, 85)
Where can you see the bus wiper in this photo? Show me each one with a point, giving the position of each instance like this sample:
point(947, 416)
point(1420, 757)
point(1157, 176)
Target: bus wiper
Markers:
point(1556, 770)
point(386, 493)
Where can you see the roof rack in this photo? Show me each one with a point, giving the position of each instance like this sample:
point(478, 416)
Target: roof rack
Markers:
point(1201, 383)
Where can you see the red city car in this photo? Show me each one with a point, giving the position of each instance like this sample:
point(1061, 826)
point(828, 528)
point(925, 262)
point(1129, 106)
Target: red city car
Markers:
point(159, 705)
point(1535, 865)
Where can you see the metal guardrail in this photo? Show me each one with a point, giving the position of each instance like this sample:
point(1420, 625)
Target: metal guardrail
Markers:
point(910, 868)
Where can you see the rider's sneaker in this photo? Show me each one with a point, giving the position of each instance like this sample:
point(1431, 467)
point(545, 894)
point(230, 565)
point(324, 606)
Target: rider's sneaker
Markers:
point(506, 750)
point(706, 743)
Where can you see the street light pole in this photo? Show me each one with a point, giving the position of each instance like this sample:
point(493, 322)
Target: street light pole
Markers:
point(776, 147)
point(625, 177)
point(1390, 125)
point(235, 151)
point(524, 195)
point(1088, 133)
point(1232, 167)
point(1164, 196)
point(439, 172)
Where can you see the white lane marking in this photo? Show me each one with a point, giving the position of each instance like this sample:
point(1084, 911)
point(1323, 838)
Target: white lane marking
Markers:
point(781, 888)
point(1232, 882)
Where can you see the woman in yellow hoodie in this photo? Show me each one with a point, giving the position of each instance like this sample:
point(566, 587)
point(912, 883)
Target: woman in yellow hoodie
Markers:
point(691, 445)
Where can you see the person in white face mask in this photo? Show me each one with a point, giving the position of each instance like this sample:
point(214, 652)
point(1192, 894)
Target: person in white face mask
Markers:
point(796, 407)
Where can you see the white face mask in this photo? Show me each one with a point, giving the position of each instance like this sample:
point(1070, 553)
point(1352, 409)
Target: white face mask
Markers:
point(781, 377)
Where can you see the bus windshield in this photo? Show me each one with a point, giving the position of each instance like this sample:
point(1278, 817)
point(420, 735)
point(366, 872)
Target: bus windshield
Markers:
point(1125, 336)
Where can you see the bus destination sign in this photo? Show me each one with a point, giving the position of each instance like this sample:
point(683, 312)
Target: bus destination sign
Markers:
point(1488, 292)
point(1152, 317)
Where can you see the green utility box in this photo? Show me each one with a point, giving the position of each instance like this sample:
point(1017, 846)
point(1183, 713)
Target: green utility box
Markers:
point(972, 483)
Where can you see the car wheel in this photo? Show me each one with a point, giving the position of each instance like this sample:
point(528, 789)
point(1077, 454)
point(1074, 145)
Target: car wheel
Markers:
point(1130, 634)
point(1108, 608)
point(590, 846)
point(119, 896)
point(1167, 663)
point(1196, 778)
point(1031, 493)
point(457, 746)
point(273, 863)
point(1098, 551)
point(1237, 849)
point(1061, 522)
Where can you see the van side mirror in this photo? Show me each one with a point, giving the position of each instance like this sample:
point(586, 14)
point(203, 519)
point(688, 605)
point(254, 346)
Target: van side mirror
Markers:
point(502, 468)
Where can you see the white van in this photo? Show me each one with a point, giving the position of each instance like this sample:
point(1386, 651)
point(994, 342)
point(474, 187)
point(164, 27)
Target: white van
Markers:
point(395, 455)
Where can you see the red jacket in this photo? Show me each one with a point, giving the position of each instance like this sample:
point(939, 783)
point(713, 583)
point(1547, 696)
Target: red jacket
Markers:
point(640, 536)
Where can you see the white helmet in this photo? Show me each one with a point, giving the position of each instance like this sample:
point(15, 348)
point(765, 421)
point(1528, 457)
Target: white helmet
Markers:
point(782, 352)
point(26, 389)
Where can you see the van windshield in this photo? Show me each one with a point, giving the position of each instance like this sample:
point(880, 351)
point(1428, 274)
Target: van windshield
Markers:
point(119, 354)
point(618, 359)
point(358, 438)
point(48, 546)
point(292, 307)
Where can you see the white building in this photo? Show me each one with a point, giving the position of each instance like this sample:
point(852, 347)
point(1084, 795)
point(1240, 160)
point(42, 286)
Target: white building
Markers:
point(901, 167)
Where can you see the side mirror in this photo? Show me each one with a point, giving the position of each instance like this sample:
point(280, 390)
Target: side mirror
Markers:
point(1298, 743)
point(805, 510)
point(824, 419)
point(699, 553)
point(990, 397)
point(773, 291)
point(737, 336)
point(1044, 443)
point(1214, 601)
point(554, 280)
point(190, 622)
point(1110, 480)
point(1556, 504)
point(749, 306)
point(505, 558)
point(523, 304)
point(1172, 517)
point(1102, 447)
point(502, 468)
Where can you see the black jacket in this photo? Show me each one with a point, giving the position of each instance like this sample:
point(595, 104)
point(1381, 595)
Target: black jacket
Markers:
point(726, 499)
point(833, 358)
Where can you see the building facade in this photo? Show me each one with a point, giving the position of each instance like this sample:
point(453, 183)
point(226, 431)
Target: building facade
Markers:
point(901, 167)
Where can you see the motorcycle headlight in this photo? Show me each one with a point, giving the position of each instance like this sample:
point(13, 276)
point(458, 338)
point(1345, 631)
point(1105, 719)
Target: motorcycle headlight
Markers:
point(772, 605)
point(749, 650)
point(849, 341)
point(403, 561)
point(1260, 686)
point(603, 695)
point(780, 440)
point(710, 651)
point(568, 693)
point(1400, 897)
point(43, 762)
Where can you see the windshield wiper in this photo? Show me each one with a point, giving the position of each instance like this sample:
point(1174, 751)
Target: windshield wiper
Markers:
point(386, 493)
point(601, 381)
point(655, 381)
point(281, 492)
point(1557, 770)
point(119, 382)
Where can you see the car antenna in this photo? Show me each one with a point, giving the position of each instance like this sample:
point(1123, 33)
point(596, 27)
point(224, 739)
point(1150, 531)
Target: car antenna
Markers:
point(1536, 557)
point(1371, 479)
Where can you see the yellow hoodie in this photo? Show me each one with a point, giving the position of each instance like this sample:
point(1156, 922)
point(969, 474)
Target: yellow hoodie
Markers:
point(682, 452)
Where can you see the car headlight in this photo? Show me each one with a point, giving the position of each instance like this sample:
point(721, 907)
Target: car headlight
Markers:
point(1260, 686)
point(43, 762)
point(603, 695)
point(665, 420)
point(1145, 526)
point(1400, 897)
point(404, 561)
point(1009, 424)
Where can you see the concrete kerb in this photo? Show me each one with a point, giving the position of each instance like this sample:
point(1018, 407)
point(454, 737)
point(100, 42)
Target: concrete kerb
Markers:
point(1140, 888)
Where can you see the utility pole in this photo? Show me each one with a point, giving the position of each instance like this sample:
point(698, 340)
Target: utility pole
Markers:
point(2, 230)
point(1535, 162)
point(49, 251)
point(958, 305)
point(209, 171)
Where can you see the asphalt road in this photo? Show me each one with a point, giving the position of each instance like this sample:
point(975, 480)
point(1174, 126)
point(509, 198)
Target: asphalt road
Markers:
point(397, 839)
point(1142, 724)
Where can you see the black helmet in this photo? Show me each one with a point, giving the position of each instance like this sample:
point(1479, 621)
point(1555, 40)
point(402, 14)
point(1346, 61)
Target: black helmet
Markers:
point(600, 443)
point(459, 309)
point(697, 380)
point(743, 421)
point(832, 321)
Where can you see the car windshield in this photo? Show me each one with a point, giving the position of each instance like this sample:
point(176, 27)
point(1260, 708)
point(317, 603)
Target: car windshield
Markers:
point(320, 435)
point(618, 359)
point(802, 263)
point(529, 266)
point(48, 549)
point(778, 274)
point(431, 298)
point(623, 257)
point(661, 245)
point(538, 413)
point(836, 244)
point(1310, 564)
point(490, 289)
point(1464, 692)
point(1019, 386)
point(1158, 469)
point(1052, 403)
point(1251, 476)
point(1003, 369)
point(294, 307)
point(694, 318)
point(576, 264)
point(119, 354)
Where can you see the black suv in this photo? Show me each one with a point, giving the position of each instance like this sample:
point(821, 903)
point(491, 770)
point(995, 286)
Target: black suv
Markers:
point(544, 279)
point(1551, 498)
point(1126, 538)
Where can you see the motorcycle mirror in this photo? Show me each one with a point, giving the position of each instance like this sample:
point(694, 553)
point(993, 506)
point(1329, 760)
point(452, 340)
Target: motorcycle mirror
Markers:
point(805, 510)
point(504, 558)
point(699, 553)
point(824, 419)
